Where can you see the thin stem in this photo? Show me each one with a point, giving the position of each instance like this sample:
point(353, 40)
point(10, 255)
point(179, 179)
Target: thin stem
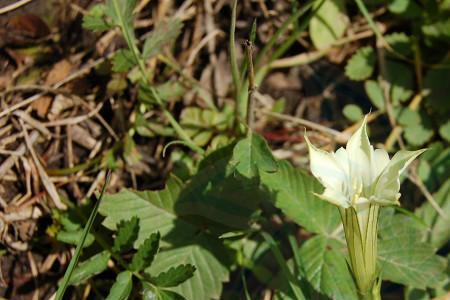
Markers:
point(233, 60)
point(73, 262)
point(137, 56)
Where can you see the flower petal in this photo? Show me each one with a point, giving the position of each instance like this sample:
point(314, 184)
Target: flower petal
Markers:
point(380, 160)
point(325, 168)
point(387, 186)
point(360, 156)
point(335, 197)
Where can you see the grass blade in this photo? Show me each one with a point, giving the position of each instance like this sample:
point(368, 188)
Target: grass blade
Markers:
point(73, 262)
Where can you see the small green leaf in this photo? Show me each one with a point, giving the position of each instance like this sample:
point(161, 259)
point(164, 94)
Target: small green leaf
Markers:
point(123, 60)
point(328, 23)
point(409, 117)
point(174, 276)
point(127, 232)
point(73, 237)
point(88, 268)
point(353, 112)
point(400, 42)
point(444, 131)
point(252, 156)
point(207, 256)
point(375, 94)
point(164, 33)
point(400, 76)
point(95, 19)
point(122, 287)
point(361, 65)
point(146, 253)
point(418, 135)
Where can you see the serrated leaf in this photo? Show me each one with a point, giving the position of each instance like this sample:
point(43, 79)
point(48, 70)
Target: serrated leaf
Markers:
point(90, 267)
point(174, 276)
point(439, 234)
point(73, 237)
point(122, 287)
point(146, 253)
point(207, 281)
point(328, 23)
point(403, 256)
point(352, 112)
point(217, 193)
point(154, 209)
point(127, 232)
point(444, 131)
point(95, 20)
point(123, 61)
point(164, 33)
point(252, 156)
point(326, 268)
point(293, 191)
point(361, 65)
point(375, 94)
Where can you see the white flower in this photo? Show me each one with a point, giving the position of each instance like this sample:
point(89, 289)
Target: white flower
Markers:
point(359, 179)
point(359, 175)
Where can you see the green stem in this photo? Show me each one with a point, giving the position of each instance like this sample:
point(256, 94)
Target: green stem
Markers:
point(137, 56)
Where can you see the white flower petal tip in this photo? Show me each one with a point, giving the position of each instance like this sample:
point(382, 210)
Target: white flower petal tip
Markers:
point(359, 172)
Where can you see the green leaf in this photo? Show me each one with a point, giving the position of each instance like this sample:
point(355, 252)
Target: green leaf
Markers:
point(404, 258)
point(206, 283)
point(353, 112)
point(127, 232)
point(328, 24)
point(202, 124)
point(121, 11)
point(146, 253)
point(73, 237)
point(293, 191)
point(123, 61)
point(326, 268)
point(174, 276)
point(439, 234)
point(400, 76)
point(95, 20)
point(164, 33)
point(375, 94)
point(400, 42)
point(252, 156)
point(418, 135)
point(220, 196)
point(154, 209)
point(444, 131)
point(122, 287)
point(409, 117)
point(153, 293)
point(361, 65)
point(90, 267)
